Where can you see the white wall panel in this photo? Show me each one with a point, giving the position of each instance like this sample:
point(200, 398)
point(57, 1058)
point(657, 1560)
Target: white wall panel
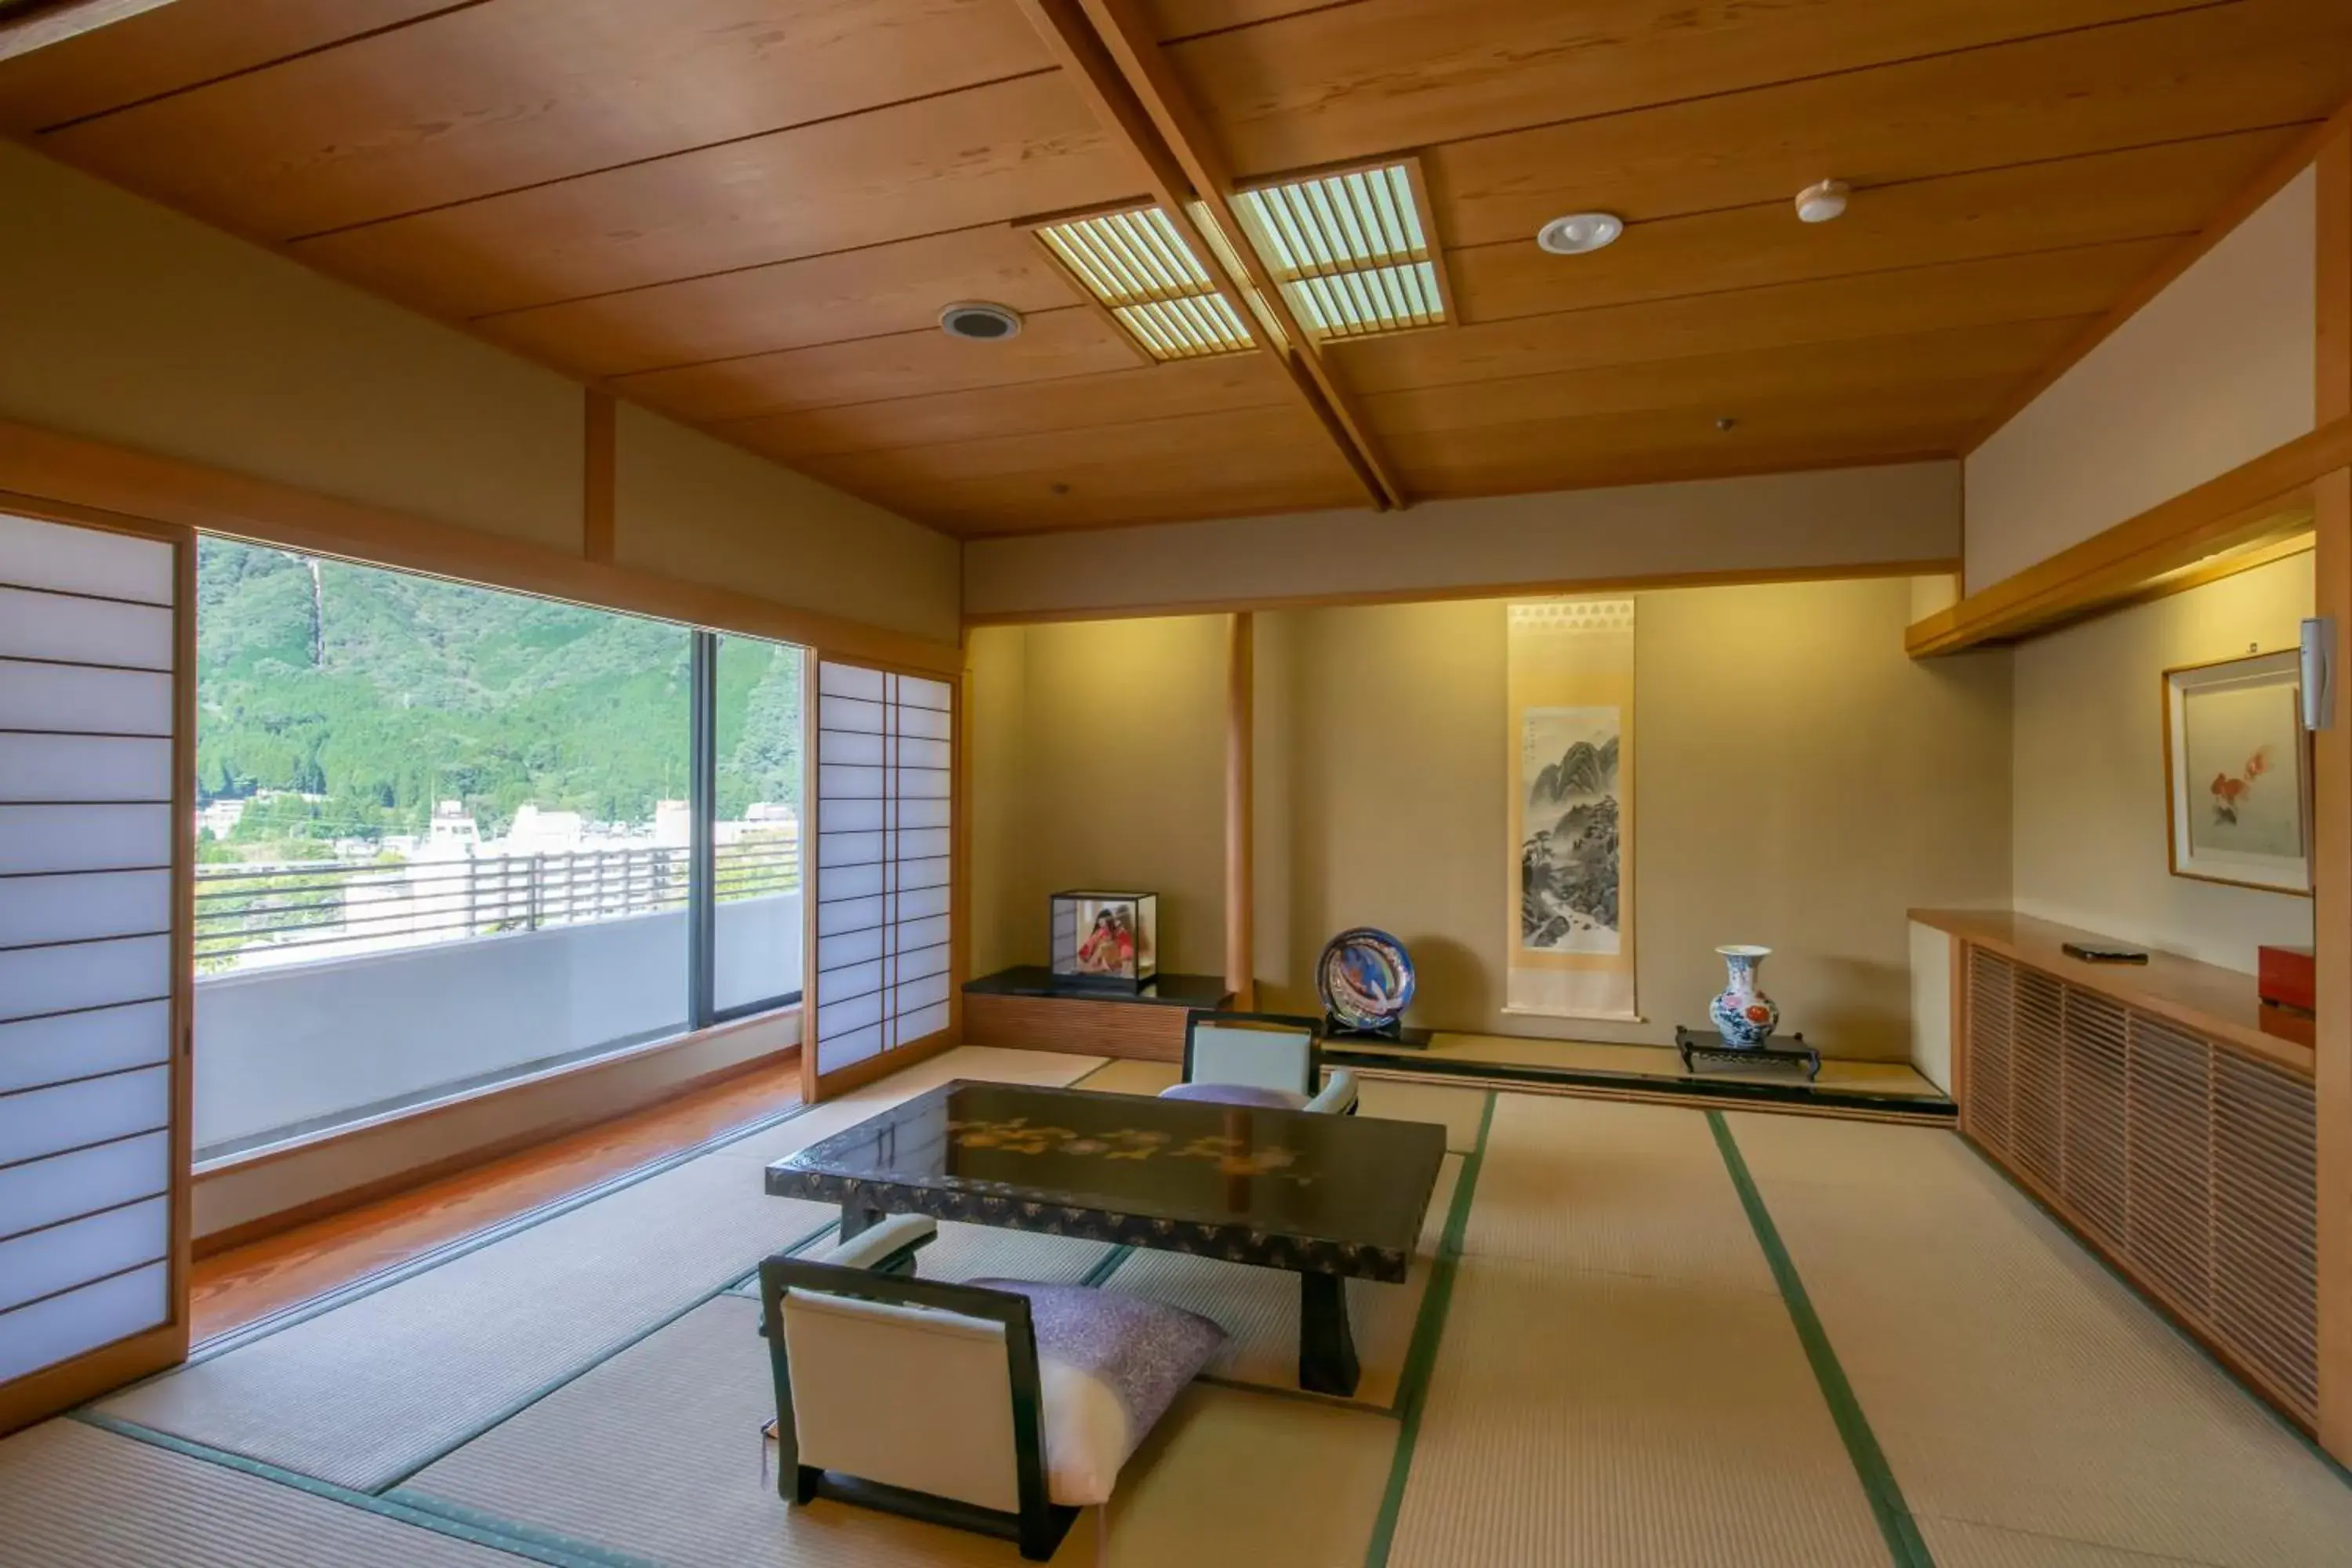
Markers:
point(39, 1122)
point(60, 1257)
point(53, 1049)
point(78, 906)
point(39, 839)
point(883, 861)
point(88, 634)
point(88, 631)
point(85, 767)
point(72, 699)
point(38, 980)
point(88, 561)
point(43, 1191)
point(62, 1327)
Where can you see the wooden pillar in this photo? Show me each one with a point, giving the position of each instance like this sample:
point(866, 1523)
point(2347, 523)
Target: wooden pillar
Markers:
point(1241, 927)
point(2331, 814)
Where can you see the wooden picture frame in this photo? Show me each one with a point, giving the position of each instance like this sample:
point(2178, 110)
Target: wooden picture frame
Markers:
point(2275, 774)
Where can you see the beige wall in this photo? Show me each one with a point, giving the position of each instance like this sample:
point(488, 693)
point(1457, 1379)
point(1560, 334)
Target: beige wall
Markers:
point(128, 323)
point(688, 505)
point(2215, 371)
point(1802, 785)
point(996, 729)
point(124, 322)
point(2090, 789)
point(1905, 514)
point(1119, 782)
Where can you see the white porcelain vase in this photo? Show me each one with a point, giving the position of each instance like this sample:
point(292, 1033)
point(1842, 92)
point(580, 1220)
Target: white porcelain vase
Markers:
point(1743, 1015)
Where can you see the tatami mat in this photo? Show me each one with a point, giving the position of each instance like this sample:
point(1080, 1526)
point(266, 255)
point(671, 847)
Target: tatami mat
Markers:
point(1052, 1069)
point(2014, 1383)
point(76, 1495)
point(657, 1454)
point(1606, 1421)
point(1127, 1076)
point(1624, 1189)
point(1458, 1111)
point(362, 1394)
point(1237, 1480)
point(1259, 1308)
point(973, 1251)
point(1955, 1544)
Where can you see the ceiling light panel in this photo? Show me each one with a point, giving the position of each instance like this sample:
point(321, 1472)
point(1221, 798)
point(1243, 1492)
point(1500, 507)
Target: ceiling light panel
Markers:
point(1350, 250)
point(1139, 269)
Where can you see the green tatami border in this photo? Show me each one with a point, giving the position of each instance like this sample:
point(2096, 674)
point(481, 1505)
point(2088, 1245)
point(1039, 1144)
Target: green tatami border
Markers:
point(1904, 1544)
point(479, 1530)
point(450, 1251)
point(1421, 1359)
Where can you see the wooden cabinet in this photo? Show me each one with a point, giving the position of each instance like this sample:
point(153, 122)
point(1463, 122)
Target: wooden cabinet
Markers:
point(2184, 1156)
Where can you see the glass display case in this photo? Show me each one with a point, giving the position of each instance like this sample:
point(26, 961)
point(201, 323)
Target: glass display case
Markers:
point(1106, 940)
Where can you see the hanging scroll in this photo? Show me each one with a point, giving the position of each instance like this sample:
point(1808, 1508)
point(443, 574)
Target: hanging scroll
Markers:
point(1571, 702)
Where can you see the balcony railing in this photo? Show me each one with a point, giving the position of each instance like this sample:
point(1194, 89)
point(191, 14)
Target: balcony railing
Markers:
point(366, 905)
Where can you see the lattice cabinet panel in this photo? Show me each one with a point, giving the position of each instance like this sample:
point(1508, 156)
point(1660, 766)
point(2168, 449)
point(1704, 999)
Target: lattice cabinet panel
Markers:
point(2190, 1163)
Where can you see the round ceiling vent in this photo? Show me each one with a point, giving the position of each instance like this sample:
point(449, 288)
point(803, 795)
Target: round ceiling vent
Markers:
point(980, 321)
point(1580, 232)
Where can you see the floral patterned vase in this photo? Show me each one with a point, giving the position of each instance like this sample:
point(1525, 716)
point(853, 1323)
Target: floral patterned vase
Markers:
point(1744, 1015)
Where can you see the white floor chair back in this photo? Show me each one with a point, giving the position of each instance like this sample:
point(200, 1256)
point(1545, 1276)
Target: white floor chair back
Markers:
point(1260, 1058)
point(908, 1396)
point(1260, 1053)
point(1001, 1406)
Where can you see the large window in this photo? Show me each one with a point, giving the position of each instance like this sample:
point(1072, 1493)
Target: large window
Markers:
point(757, 941)
point(449, 835)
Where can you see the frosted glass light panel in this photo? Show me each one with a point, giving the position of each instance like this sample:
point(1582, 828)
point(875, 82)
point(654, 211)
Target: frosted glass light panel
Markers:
point(884, 853)
point(89, 636)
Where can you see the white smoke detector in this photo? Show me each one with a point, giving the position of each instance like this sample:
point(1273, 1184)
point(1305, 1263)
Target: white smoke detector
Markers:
point(980, 321)
point(1822, 202)
point(1580, 232)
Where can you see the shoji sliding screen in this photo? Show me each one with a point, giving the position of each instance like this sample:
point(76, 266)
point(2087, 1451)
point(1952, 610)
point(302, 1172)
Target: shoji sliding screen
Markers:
point(884, 800)
point(95, 767)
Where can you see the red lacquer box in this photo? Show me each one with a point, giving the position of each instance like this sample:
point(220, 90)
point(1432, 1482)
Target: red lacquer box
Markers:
point(2283, 976)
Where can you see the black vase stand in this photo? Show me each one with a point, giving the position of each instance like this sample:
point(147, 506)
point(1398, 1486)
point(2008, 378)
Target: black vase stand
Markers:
point(1695, 1048)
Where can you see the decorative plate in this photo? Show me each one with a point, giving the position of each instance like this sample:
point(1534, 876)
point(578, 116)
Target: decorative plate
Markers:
point(1366, 978)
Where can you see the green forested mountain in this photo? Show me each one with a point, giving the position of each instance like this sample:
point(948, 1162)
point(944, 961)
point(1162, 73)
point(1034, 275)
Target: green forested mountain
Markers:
point(385, 692)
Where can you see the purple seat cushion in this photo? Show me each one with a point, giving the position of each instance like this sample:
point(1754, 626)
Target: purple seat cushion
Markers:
point(1141, 1353)
point(1238, 1094)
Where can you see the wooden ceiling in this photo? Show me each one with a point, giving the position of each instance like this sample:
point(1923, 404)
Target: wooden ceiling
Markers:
point(748, 213)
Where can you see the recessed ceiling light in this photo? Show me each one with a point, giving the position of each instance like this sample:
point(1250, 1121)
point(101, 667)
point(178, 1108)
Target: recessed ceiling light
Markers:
point(980, 321)
point(1822, 202)
point(1349, 250)
point(1580, 232)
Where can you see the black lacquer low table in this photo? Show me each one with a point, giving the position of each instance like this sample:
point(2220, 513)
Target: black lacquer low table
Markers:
point(1327, 1197)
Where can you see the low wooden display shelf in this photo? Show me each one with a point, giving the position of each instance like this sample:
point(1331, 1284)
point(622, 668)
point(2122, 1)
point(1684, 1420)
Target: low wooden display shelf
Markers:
point(1028, 1009)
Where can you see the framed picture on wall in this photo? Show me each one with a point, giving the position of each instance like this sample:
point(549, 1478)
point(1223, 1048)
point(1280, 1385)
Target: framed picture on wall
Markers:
point(2237, 763)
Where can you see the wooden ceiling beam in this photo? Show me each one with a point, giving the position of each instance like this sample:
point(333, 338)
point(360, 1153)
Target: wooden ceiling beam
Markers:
point(25, 27)
point(1110, 54)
